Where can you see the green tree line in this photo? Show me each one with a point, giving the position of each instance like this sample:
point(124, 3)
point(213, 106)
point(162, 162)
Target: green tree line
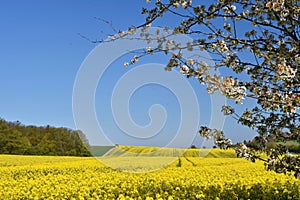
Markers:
point(16, 138)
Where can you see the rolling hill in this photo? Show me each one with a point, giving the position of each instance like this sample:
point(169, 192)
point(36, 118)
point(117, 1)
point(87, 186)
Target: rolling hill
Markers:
point(145, 151)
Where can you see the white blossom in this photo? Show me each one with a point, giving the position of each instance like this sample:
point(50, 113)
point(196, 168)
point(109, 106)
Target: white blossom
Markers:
point(190, 61)
point(135, 59)
point(126, 64)
point(233, 7)
point(148, 49)
point(286, 72)
point(122, 33)
point(132, 31)
point(184, 69)
point(176, 4)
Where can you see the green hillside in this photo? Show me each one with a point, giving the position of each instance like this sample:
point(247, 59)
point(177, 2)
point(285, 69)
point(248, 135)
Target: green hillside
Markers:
point(100, 150)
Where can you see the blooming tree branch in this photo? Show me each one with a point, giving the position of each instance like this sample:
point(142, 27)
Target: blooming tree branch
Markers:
point(258, 41)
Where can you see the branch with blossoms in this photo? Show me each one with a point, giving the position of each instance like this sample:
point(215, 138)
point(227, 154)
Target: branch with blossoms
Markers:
point(258, 42)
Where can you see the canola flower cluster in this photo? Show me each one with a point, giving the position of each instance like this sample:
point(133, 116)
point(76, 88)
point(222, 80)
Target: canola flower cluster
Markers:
point(34, 177)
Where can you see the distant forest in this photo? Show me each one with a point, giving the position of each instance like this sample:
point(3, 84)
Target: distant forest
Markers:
point(16, 138)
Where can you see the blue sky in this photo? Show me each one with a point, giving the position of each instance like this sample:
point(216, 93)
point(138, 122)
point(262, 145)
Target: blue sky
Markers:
point(41, 53)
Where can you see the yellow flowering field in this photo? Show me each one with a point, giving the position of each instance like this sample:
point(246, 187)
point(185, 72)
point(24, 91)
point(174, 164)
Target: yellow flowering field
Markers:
point(41, 177)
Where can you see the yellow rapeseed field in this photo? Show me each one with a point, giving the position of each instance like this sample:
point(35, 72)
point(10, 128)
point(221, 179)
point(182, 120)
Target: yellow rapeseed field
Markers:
point(41, 177)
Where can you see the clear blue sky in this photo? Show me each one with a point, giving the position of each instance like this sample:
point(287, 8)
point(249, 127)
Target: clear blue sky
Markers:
point(41, 53)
